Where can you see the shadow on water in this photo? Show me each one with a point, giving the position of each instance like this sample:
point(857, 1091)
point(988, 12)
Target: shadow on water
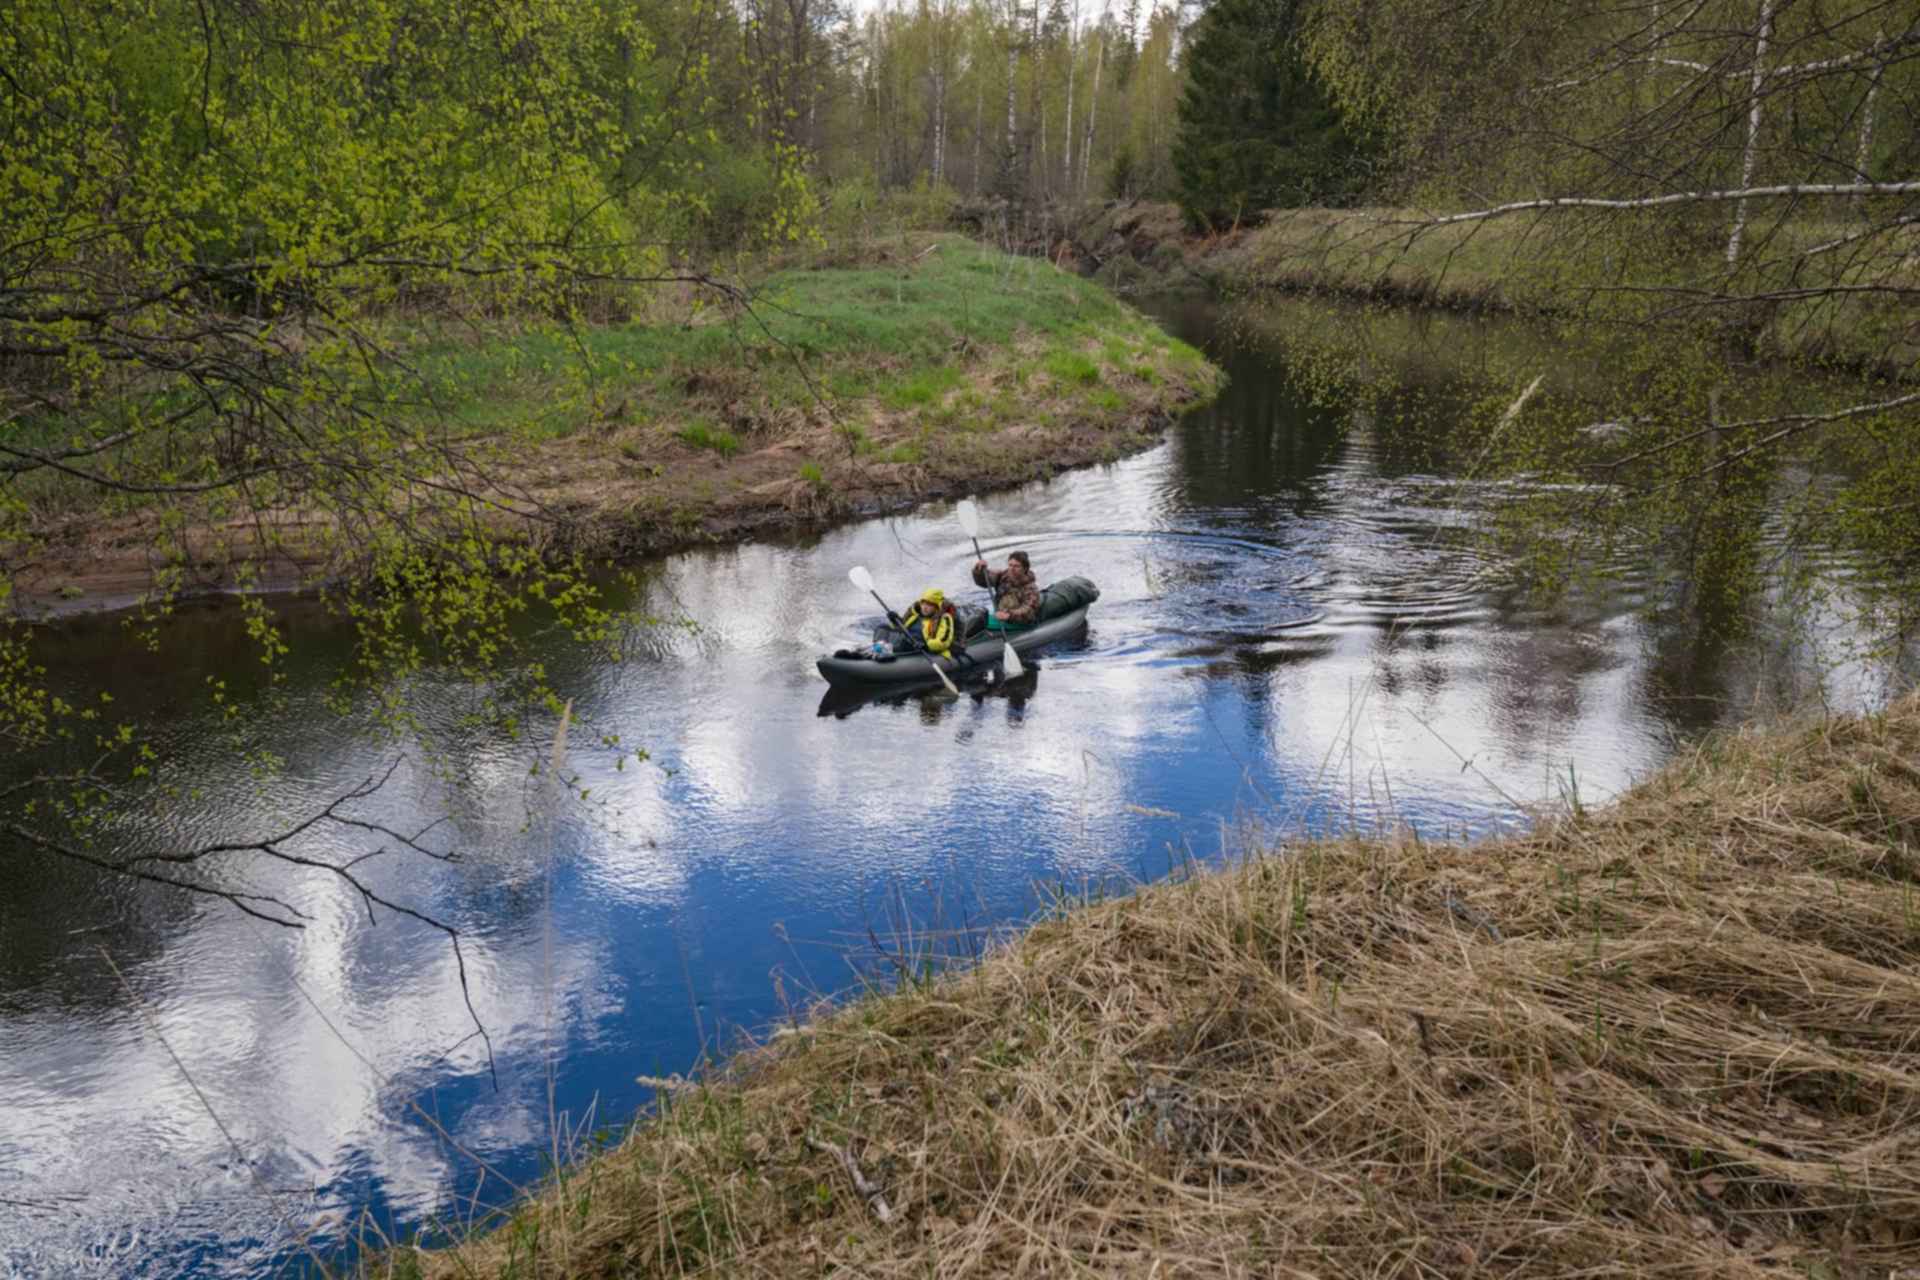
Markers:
point(976, 690)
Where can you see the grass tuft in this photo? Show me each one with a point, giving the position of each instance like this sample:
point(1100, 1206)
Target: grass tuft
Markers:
point(1072, 368)
point(704, 435)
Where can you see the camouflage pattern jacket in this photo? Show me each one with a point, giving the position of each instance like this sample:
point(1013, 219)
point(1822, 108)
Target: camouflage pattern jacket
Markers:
point(1016, 596)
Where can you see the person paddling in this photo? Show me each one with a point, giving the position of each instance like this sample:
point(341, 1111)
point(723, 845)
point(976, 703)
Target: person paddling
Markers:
point(1016, 597)
point(930, 622)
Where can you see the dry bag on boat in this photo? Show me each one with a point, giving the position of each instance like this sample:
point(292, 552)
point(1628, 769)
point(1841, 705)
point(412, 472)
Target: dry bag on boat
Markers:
point(1066, 595)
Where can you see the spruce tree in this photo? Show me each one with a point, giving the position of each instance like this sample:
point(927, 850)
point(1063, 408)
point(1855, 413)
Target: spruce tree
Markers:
point(1257, 130)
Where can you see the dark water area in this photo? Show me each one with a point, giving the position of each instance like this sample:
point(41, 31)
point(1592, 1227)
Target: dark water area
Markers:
point(1296, 633)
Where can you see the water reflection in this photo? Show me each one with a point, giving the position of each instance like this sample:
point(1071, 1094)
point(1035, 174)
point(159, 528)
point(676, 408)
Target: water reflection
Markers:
point(1292, 632)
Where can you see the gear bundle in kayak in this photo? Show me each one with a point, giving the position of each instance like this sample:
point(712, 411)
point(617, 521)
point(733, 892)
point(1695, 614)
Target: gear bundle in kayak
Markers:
point(1063, 612)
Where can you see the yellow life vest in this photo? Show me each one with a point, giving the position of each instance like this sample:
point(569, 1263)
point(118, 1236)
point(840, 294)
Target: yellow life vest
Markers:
point(935, 632)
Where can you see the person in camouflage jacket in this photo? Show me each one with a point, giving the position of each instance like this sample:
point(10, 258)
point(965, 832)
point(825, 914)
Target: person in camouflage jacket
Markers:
point(1016, 595)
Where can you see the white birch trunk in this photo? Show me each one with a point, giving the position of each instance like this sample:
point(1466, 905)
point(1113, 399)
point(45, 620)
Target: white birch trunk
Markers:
point(979, 118)
point(1013, 76)
point(1066, 166)
point(1040, 171)
point(1757, 85)
point(939, 129)
point(1093, 104)
point(1865, 153)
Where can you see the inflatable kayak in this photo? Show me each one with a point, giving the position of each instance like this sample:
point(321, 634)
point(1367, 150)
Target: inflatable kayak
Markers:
point(1063, 611)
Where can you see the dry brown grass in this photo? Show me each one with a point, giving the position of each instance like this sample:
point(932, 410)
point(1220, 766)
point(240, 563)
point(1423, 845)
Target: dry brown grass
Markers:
point(1680, 1036)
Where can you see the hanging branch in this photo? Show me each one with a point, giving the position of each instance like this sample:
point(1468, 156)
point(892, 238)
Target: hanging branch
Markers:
point(157, 868)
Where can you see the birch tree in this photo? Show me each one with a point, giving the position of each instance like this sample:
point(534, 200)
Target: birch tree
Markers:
point(1715, 203)
point(1101, 35)
point(209, 215)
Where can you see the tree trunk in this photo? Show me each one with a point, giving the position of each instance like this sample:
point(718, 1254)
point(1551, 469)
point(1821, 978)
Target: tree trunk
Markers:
point(1093, 105)
point(979, 121)
point(1865, 154)
point(1013, 76)
point(1040, 122)
point(1038, 171)
point(940, 132)
point(1757, 88)
point(1066, 137)
point(939, 71)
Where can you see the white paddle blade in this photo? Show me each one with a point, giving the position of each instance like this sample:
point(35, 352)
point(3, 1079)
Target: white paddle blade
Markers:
point(1011, 661)
point(860, 578)
point(952, 688)
point(969, 517)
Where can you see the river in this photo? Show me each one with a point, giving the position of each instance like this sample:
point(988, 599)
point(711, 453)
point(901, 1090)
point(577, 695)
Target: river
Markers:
point(1295, 634)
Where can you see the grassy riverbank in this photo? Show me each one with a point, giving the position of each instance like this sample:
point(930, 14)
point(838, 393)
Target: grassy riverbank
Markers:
point(1511, 264)
point(922, 366)
point(1679, 1036)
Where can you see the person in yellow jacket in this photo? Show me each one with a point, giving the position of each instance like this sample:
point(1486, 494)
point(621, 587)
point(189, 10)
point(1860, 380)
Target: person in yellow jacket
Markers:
point(929, 623)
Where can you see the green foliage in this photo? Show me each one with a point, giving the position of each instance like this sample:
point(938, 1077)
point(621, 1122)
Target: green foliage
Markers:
point(858, 208)
point(749, 198)
point(223, 221)
point(1257, 129)
point(1120, 174)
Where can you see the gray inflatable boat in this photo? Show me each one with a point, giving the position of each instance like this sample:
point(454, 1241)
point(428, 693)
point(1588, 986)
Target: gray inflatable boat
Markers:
point(1063, 611)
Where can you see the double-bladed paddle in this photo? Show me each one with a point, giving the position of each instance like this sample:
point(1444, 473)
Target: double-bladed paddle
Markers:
point(864, 580)
point(970, 521)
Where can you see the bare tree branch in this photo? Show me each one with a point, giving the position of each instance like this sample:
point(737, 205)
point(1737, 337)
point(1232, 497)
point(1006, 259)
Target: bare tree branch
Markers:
point(270, 908)
point(1783, 190)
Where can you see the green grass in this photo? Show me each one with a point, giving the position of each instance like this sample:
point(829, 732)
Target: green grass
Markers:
point(1518, 262)
point(1071, 367)
point(703, 435)
point(903, 334)
point(924, 387)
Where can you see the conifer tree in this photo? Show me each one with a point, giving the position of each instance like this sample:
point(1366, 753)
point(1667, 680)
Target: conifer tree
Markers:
point(1257, 130)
